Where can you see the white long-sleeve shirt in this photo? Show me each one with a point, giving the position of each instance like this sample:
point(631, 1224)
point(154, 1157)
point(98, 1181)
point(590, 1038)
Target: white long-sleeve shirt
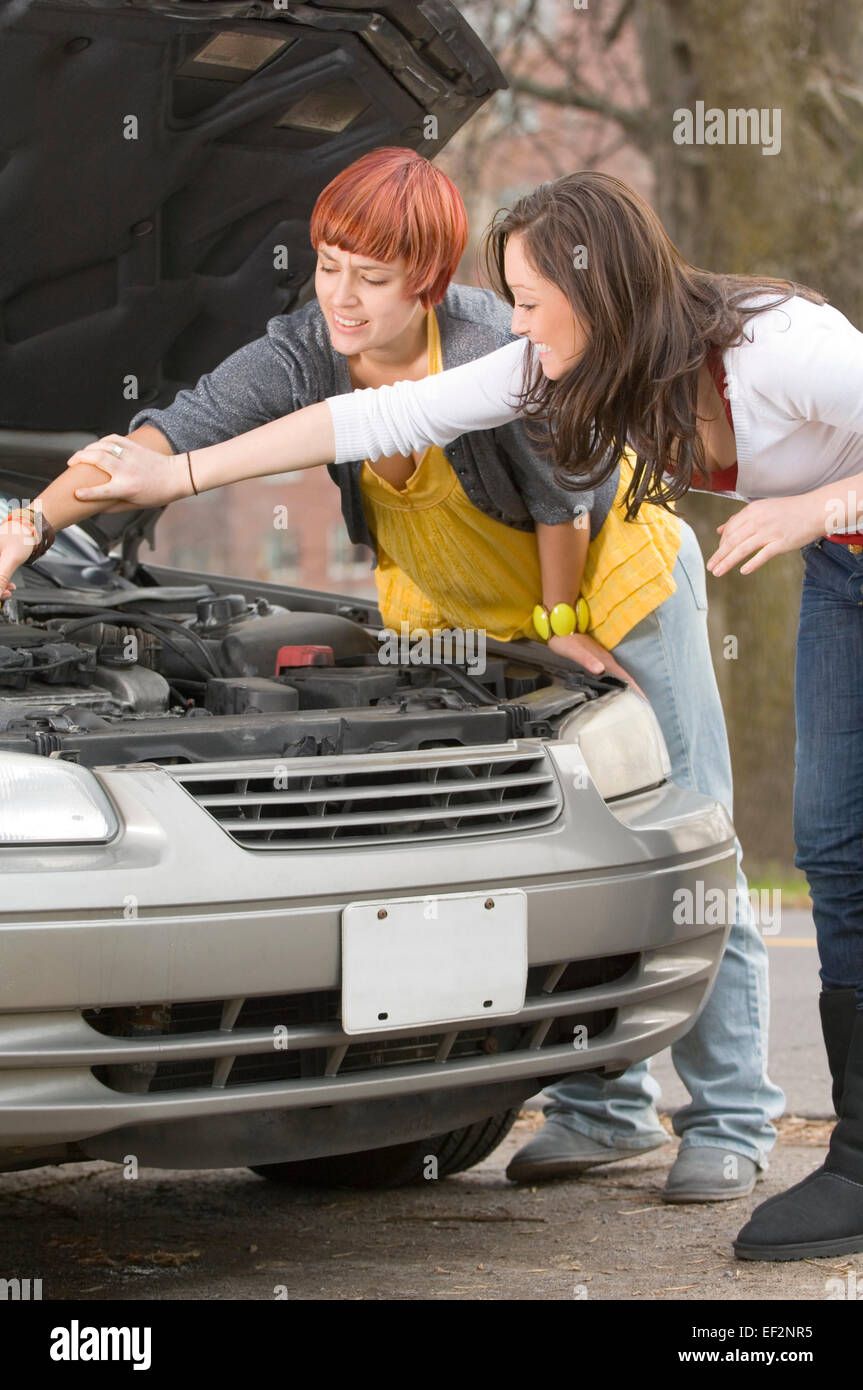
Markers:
point(380, 421)
point(795, 385)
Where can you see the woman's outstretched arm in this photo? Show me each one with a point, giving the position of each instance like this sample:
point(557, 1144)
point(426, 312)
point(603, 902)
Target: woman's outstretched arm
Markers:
point(479, 395)
point(142, 477)
point(361, 424)
point(116, 472)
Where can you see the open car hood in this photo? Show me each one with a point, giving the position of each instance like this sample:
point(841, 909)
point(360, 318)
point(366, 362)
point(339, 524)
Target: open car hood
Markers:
point(159, 166)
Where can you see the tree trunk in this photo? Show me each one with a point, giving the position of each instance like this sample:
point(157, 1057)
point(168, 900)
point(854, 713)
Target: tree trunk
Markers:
point(797, 214)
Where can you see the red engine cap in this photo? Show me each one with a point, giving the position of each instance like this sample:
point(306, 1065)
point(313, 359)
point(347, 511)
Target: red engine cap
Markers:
point(306, 655)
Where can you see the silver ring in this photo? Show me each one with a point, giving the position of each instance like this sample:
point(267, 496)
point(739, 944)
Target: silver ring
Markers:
point(116, 450)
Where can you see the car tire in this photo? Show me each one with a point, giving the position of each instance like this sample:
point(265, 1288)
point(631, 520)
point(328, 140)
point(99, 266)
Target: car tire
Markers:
point(397, 1165)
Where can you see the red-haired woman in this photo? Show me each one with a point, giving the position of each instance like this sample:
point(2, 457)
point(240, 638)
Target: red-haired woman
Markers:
point(389, 232)
point(475, 534)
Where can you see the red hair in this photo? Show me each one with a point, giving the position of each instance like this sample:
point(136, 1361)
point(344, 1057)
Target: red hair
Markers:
point(392, 203)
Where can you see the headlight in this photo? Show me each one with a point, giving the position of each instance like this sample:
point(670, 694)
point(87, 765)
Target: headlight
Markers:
point(45, 801)
point(621, 742)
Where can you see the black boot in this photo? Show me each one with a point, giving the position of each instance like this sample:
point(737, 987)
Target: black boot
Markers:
point(838, 1008)
point(823, 1214)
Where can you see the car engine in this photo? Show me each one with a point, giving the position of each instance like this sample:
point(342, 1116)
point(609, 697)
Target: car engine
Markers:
point(181, 674)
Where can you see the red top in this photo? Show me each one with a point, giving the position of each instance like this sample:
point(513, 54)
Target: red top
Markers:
point(721, 479)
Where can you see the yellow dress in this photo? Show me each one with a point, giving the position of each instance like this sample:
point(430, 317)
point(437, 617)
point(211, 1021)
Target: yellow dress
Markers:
point(442, 563)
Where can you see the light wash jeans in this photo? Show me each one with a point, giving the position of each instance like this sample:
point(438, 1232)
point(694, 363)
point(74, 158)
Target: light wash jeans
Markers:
point(722, 1060)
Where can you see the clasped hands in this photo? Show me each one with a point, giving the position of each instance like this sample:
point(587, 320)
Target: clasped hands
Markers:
point(137, 477)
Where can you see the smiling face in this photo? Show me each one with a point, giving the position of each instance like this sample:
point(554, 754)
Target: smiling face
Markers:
point(543, 313)
point(365, 302)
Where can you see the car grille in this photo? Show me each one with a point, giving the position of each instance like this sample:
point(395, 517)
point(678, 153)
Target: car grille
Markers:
point(250, 1032)
point(432, 794)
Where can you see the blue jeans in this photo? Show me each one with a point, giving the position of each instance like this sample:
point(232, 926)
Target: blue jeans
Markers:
point(828, 784)
point(722, 1060)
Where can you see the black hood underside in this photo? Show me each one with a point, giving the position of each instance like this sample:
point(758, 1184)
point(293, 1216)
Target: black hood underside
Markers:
point(159, 163)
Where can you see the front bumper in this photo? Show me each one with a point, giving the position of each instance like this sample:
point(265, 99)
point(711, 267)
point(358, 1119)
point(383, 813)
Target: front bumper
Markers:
point(161, 917)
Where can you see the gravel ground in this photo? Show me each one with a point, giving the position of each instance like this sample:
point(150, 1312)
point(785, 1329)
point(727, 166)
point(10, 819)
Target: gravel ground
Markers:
point(90, 1234)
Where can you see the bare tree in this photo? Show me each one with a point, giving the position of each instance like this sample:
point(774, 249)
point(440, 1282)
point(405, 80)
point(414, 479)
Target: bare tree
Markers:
point(552, 117)
point(798, 213)
point(602, 84)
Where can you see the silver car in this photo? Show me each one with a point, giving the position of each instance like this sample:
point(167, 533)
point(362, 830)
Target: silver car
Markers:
point(269, 900)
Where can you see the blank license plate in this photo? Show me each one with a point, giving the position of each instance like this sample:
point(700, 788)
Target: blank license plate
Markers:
point(433, 960)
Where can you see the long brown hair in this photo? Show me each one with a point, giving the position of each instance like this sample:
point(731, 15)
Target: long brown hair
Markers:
point(651, 319)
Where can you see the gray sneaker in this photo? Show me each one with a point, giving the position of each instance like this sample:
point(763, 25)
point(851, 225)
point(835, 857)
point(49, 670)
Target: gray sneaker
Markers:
point(561, 1152)
point(706, 1174)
